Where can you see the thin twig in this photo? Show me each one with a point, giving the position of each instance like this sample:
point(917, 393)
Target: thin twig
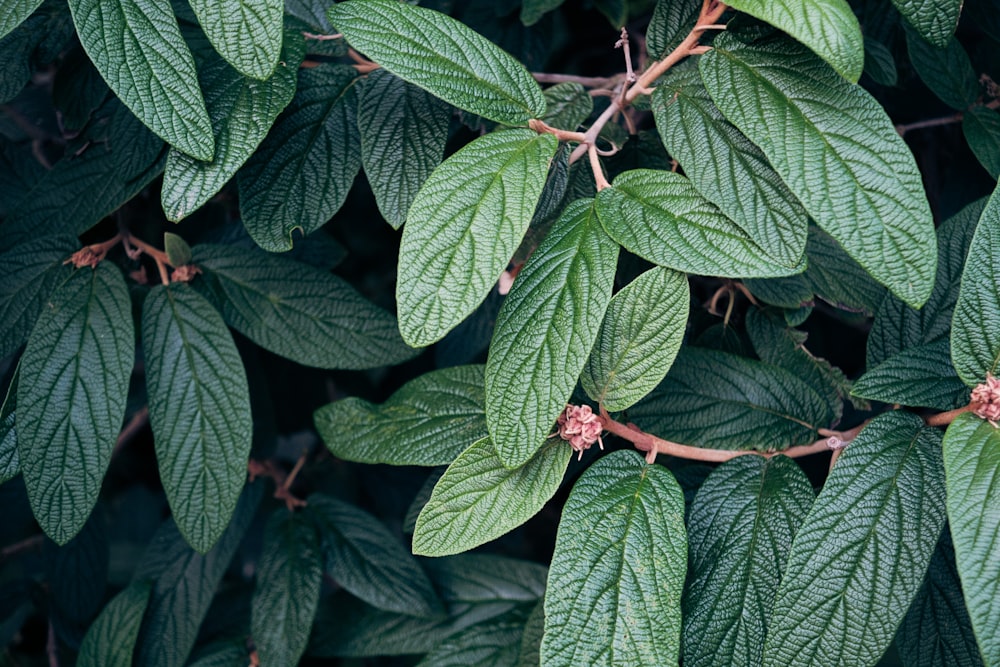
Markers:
point(321, 38)
point(134, 425)
point(562, 135)
point(585, 81)
point(595, 164)
point(51, 647)
point(945, 418)
point(27, 544)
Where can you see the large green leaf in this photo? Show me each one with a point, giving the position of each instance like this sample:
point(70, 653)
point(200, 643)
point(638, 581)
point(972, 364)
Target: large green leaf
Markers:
point(247, 33)
point(671, 22)
point(464, 226)
point(495, 643)
point(975, 333)
point(544, 332)
point(850, 169)
point(199, 409)
point(442, 56)
point(946, 71)
point(661, 217)
point(403, 132)
point(921, 375)
point(111, 638)
point(138, 49)
point(427, 422)
point(740, 528)
point(71, 396)
point(301, 175)
point(614, 588)
point(971, 459)
point(300, 312)
point(715, 399)
point(15, 12)
point(726, 168)
point(828, 27)
point(478, 498)
point(935, 20)
point(860, 555)
point(365, 558)
point(10, 464)
point(981, 126)
point(639, 338)
point(289, 577)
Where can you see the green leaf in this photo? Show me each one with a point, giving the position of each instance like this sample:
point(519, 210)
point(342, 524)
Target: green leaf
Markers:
point(16, 12)
point(300, 312)
point(661, 217)
point(464, 226)
point(946, 71)
point(77, 572)
point(975, 333)
point(639, 338)
point(544, 332)
point(442, 56)
point(860, 555)
point(719, 400)
point(138, 49)
point(289, 576)
point(10, 464)
point(199, 409)
point(111, 638)
point(403, 133)
point(671, 22)
point(981, 126)
point(247, 33)
point(232, 653)
point(427, 422)
point(478, 498)
point(838, 279)
point(879, 63)
point(177, 249)
point(366, 559)
point(531, 638)
point(971, 457)
point(935, 20)
point(844, 167)
point(567, 105)
point(618, 568)
point(303, 170)
point(728, 170)
point(495, 643)
point(828, 27)
point(533, 10)
point(74, 378)
point(740, 529)
point(921, 375)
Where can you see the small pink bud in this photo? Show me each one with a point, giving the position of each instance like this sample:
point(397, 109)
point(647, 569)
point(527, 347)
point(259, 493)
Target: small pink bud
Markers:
point(986, 400)
point(580, 427)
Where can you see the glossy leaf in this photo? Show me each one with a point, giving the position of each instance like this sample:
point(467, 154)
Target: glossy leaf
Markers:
point(478, 498)
point(111, 638)
point(935, 20)
point(981, 127)
point(946, 71)
point(544, 332)
point(247, 33)
point(10, 464)
point(17, 12)
point(427, 422)
point(464, 226)
point(848, 583)
point(199, 409)
point(74, 378)
point(671, 22)
point(921, 375)
point(623, 526)
point(442, 56)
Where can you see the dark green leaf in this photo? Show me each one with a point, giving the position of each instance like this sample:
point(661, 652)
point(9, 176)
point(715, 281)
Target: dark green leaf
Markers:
point(15, 13)
point(111, 638)
point(921, 375)
point(423, 495)
point(533, 10)
point(946, 71)
point(77, 572)
point(247, 33)
point(531, 638)
point(10, 465)
point(177, 249)
point(838, 279)
point(671, 22)
point(879, 63)
point(495, 643)
point(981, 126)
point(567, 105)
point(935, 20)
point(232, 653)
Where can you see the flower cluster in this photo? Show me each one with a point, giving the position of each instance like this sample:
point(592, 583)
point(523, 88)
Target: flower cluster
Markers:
point(580, 427)
point(986, 400)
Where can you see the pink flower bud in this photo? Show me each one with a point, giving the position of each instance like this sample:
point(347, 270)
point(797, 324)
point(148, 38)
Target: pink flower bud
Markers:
point(580, 427)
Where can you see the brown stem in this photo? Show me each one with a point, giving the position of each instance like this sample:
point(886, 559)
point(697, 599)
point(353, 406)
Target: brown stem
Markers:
point(595, 165)
point(562, 135)
point(321, 38)
point(945, 418)
point(585, 81)
point(134, 425)
point(938, 122)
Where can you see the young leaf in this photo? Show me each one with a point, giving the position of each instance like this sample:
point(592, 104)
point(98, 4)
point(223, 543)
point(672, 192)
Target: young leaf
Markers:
point(71, 396)
point(425, 423)
point(177, 249)
point(478, 498)
point(138, 49)
point(442, 56)
point(403, 132)
point(289, 577)
point(495, 643)
point(618, 568)
point(199, 409)
point(921, 375)
point(946, 71)
point(545, 330)
point(671, 22)
point(860, 554)
point(741, 526)
point(844, 167)
point(111, 638)
point(464, 226)
point(10, 464)
point(971, 457)
point(301, 175)
point(302, 313)
point(639, 338)
point(981, 126)
point(661, 217)
point(16, 12)
point(935, 20)
point(369, 561)
point(247, 33)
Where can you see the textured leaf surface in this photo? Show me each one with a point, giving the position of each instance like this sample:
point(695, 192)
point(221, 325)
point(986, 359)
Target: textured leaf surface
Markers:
point(623, 526)
point(848, 583)
point(231, 653)
point(138, 49)
point(427, 422)
point(10, 464)
point(490, 644)
point(16, 12)
point(199, 409)
point(851, 170)
point(935, 20)
point(111, 638)
point(946, 71)
point(981, 127)
point(671, 22)
point(639, 339)
point(300, 312)
point(303, 170)
point(661, 217)
point(918, 376)
point(531, 638)
point(478, 498)
point(567, 105)
point(463, 228)
point(247, 33)
point(365, 558)
point(740, 529)
point(879, 63)
point(442, 56)
point(971, 460)
point(71, 396)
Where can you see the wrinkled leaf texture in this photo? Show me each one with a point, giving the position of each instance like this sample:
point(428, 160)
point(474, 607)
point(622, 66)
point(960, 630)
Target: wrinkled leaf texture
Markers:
point(247, 33)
